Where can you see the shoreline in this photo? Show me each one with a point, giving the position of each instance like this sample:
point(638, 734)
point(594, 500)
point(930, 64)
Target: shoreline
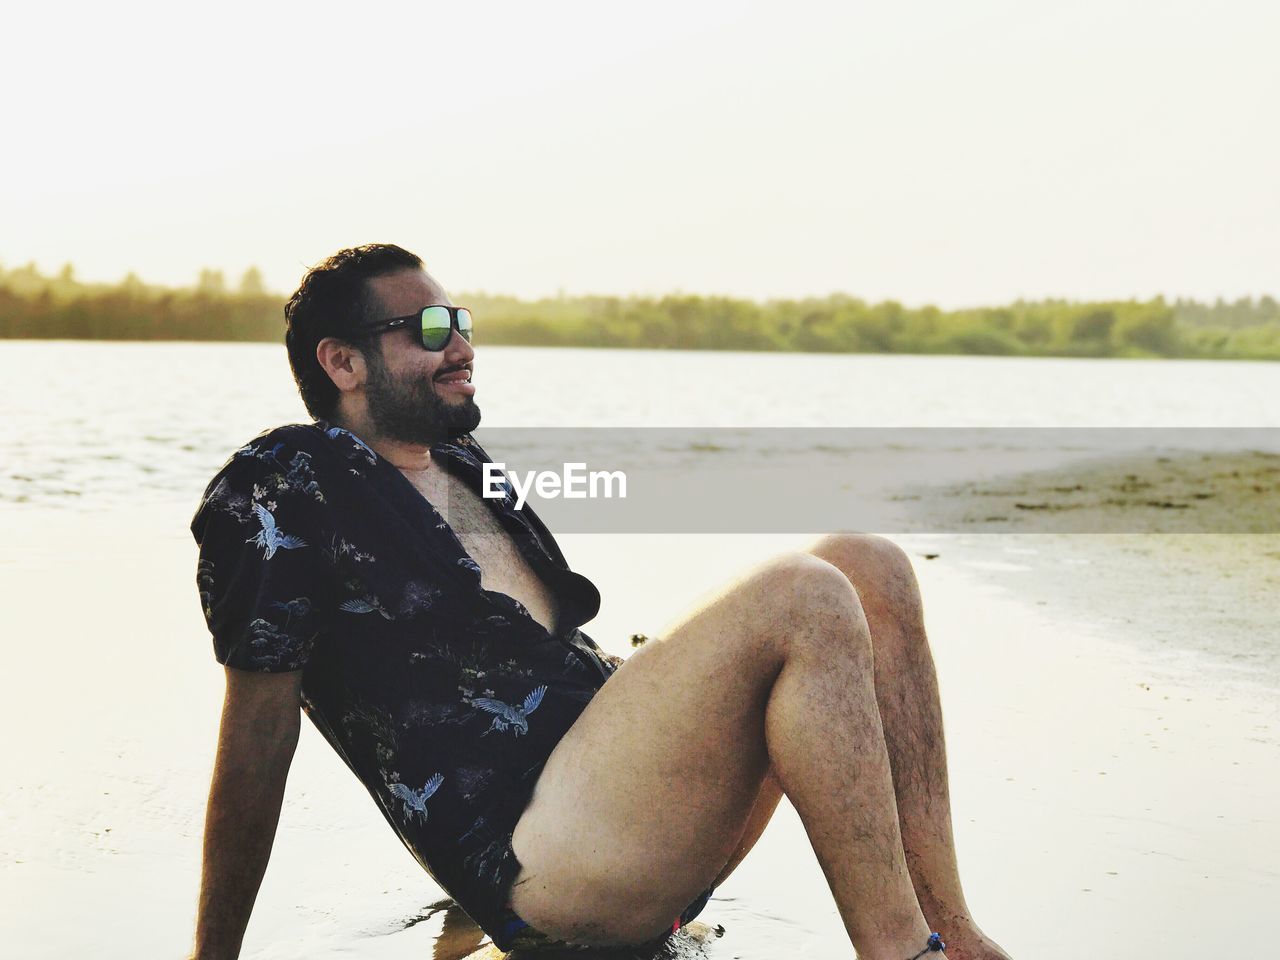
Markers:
point(1197, 534)
point(1217, 493)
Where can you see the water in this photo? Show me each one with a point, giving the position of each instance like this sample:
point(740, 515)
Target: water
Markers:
point(89, 425)
point(1138, 825)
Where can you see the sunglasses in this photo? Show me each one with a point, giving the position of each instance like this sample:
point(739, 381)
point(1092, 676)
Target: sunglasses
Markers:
point(435, 325)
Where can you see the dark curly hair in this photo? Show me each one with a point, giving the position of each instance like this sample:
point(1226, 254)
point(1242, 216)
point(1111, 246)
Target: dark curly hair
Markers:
point(332, 300)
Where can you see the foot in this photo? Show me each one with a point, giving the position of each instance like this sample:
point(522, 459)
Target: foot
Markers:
point(966, 942)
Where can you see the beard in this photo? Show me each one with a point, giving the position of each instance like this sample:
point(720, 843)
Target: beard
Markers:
point(412, 412)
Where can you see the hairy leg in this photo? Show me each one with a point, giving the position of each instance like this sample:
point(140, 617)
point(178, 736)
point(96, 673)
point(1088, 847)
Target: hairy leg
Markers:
point(775, 673)
point(762, 811)
point(907, 693)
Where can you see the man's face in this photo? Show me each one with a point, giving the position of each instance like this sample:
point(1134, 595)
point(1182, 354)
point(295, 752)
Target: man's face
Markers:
point(406, 397)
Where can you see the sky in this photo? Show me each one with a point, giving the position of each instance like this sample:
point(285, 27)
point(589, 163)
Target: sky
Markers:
point(928, 152)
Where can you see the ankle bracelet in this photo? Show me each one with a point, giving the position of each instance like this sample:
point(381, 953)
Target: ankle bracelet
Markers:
point(935, 944)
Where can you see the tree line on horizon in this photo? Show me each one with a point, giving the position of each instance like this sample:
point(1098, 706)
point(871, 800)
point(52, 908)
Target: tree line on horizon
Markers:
point(34, 306)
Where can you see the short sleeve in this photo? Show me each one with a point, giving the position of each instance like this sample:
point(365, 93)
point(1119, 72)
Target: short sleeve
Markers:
point(263, 576)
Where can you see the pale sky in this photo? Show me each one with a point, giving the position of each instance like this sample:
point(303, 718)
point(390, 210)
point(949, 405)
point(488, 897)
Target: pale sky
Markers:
point(940, 152)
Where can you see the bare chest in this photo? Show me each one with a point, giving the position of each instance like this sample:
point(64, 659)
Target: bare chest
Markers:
point(502, 567)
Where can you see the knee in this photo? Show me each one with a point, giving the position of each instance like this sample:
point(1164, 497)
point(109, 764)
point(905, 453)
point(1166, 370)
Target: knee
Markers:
point(813, 603)
point(877, 566)
point(806, 579)
point(859, 551)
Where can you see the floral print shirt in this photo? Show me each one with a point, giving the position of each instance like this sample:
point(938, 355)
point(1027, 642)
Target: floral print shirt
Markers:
point(443, 698)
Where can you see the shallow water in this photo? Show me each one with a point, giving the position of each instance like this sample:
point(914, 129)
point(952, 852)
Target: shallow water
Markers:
point(1113, 796)
point(89, 424)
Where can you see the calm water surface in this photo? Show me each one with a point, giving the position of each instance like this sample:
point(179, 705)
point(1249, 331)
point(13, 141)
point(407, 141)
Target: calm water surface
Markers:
point(90, 424)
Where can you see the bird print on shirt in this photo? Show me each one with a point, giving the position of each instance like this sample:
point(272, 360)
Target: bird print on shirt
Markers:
point(366, 604)
point(508, 717)
point(266, 455)
point(271, 537)
point(415, 801)
point(334, 433)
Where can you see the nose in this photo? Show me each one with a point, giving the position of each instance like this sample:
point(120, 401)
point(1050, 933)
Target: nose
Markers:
point(459, 349)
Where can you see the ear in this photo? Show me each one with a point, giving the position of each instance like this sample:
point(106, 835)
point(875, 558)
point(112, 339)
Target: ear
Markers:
point(344, 363)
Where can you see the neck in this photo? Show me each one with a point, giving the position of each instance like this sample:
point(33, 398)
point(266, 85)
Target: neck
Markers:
point(411, 459)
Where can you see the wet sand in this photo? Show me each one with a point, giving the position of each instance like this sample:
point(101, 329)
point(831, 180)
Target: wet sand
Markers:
point(1190, 561)
point(1223, 493)
point(1111, 710)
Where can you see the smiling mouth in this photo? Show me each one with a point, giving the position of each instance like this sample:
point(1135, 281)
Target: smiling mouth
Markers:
point(458, 376)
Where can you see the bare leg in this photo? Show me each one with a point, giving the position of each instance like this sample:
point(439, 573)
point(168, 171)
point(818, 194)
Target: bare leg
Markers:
point(762, 811)
point(776, 671)
point(907, 694)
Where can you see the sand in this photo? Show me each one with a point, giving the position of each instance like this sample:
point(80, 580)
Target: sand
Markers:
point(1111, 707)
point(1222, 493)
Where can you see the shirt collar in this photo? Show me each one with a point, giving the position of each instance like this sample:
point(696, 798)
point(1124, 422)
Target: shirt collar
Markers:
point(353, 448)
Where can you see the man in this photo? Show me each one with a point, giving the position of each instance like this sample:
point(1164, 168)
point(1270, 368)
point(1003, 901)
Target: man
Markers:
point(535, 777)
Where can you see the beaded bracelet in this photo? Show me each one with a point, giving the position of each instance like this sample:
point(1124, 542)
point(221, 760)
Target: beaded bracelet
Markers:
point(935, 944)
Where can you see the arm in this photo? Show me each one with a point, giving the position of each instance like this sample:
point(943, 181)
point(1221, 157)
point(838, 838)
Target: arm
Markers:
point(259, 731)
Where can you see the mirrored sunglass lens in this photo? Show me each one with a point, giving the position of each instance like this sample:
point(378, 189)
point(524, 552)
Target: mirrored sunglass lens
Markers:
point(464, 323)
point(435, 327)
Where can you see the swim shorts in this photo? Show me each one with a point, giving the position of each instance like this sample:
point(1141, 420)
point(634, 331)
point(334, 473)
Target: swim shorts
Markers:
point(516, 934)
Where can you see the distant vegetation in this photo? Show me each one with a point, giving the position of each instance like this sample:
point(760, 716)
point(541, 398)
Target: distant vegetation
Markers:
point(61, 307)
